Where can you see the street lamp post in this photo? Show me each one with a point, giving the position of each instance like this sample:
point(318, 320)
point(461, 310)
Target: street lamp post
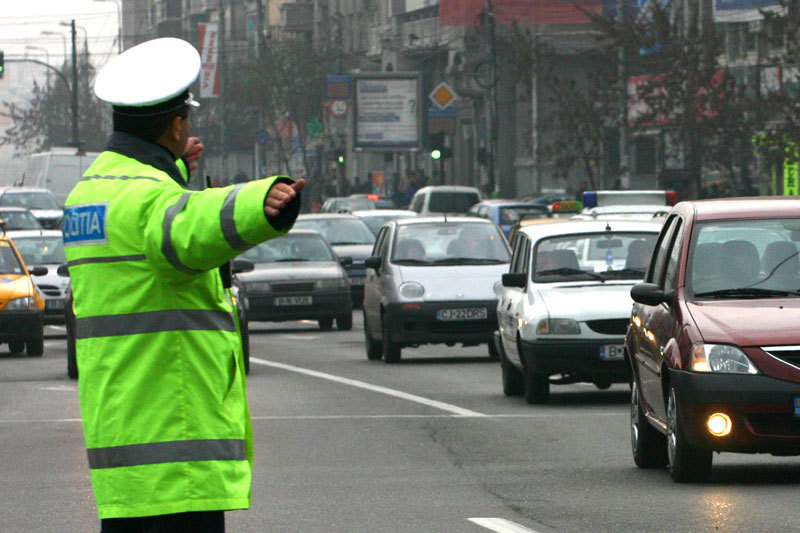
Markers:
point(46, 55)
point(63, 40)
point(85, 33)
point(119, 22)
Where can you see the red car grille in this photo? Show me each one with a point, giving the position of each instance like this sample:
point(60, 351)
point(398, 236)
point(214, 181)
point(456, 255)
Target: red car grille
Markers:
point(790, 356)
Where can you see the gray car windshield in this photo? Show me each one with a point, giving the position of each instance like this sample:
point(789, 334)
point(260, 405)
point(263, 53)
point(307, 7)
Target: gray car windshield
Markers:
point(593, 256)
point(16, 220)
point(41, 250)
point(448, 243)
point(290, 248)
point(29, 200)
point(339, 231)
point(745, 259)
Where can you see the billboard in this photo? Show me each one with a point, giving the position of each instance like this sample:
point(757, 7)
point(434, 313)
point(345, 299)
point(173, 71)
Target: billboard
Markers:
point(741, 10)
point(209, 46)
point(386, 111)
point(530, 12)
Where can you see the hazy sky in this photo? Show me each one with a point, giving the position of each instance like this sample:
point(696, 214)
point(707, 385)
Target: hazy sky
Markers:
point(22, 23)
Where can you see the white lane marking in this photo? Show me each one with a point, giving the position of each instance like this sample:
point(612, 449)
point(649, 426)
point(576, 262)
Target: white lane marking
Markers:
point(61, 388)
point(300, 337)
point(501, 525)
point(62, 328)
point(457, 411)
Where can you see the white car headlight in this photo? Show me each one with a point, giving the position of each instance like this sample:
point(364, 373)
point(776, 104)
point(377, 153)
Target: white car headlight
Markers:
point(557, 326)
point(411, 289)
point(331, 283)
point(721, 358)
point(21, 304)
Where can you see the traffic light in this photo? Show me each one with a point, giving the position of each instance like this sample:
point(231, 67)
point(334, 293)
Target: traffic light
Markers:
point(2, 63)
point(340, 157)
point(437, 144)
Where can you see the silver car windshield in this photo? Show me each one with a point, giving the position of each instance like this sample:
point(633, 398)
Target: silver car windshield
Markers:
point(599, 256)
point(41, 250)
point(29, 200)
point(745, 258)
point(290, 248)
point(339, 231)
point(447, 243)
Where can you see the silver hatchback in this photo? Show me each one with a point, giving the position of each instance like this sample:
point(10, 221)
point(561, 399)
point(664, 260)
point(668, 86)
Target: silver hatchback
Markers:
point(431, 280)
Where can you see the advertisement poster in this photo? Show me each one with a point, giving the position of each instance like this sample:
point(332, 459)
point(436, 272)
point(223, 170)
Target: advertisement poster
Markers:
point(387, 114)
point(209, 46)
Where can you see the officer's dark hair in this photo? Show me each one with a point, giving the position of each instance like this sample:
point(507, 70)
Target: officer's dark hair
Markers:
point(149, 128)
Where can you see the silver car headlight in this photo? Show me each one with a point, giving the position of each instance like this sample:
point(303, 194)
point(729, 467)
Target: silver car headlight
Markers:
point(27, 303)
point(557, 326)
point(412, 289)
point(331, 283)
point(721, 358)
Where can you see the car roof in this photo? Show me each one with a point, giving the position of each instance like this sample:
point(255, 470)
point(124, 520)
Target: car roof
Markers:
point(17, 233)
point(449, 188)
point(440, 218)
point(13, 208)
point(572, 226)
point(736, 208)
point(321, 216)
point(384, 212)
point(304, 231)
point(23, 189)
point(511, 202)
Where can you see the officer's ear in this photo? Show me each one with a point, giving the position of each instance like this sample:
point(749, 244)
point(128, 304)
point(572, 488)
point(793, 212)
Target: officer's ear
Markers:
point(176, 128)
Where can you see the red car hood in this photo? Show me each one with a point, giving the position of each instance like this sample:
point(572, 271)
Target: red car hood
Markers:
point(748, 322)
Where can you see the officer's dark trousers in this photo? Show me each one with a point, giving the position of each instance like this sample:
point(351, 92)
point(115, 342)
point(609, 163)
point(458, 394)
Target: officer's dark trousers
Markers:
point(196, 522)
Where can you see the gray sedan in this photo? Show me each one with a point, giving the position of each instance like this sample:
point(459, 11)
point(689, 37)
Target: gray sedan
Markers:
point(297, 276)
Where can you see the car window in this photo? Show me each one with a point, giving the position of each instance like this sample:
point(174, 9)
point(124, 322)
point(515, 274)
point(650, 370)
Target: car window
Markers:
point(451, 201)
point(483, 212)
point(441, 243)
point(290, 248)
point(339, 230)
point(416, 204)
point(16, 220)
point(41, 250)
point(29, 200)
point(674, 255)
point(513, 214)
point(744, 254)
point(379, 241)
point(518, 257)
point(595, 255)
point(657, 264)
point(9, 264)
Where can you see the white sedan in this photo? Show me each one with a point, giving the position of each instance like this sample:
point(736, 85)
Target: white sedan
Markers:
point(564, 306)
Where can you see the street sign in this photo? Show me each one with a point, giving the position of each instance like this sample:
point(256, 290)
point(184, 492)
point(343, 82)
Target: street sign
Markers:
point(338, 85)
point(262, 137)
point(442, 120)
point(338, 107)
point(442, 95)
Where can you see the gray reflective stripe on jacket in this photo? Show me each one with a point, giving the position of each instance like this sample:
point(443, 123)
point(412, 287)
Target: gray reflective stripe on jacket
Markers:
point(228, 223)
point(167, 247)
point(108, 259)
point(167, 452)
point(153, 322)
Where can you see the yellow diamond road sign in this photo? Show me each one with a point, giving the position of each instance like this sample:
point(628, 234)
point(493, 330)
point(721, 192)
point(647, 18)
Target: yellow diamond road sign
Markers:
point(442, 95)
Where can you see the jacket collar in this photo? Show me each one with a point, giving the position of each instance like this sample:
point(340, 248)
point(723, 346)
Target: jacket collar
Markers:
point(145, 152)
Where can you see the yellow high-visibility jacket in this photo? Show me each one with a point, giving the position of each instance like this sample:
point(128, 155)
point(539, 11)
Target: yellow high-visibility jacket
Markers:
point(162, 383)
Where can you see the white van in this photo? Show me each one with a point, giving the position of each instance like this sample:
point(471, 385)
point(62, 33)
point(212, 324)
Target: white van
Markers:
point(57, 170)
point(436, 199)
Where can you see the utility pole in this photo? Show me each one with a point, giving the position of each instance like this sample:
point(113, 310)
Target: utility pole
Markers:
point(491, 153)
point(221, 60)
point(622, 80)
point(76, 139)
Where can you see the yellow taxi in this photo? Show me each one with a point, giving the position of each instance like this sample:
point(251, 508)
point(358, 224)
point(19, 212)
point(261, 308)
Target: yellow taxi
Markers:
point(21, 304)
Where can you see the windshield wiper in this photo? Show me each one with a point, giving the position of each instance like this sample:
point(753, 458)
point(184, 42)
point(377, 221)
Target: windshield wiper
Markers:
point(289, 259)
point(638, 272)
point(566, 271)
point(347, 243)
point(467, 261)
point(748, 291)
point(411, 262)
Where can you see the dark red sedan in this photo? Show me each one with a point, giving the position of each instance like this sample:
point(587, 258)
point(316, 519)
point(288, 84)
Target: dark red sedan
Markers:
point(714, 338)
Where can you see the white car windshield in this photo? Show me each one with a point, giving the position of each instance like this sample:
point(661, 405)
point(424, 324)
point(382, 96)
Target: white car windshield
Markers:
point(600, 256)
point(745, 258)
point(339, 231)
point(29, 200)
point(290, 248)
point(41, 250)
point(443, 243)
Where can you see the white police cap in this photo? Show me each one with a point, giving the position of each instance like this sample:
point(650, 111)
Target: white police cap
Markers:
point(151, 78)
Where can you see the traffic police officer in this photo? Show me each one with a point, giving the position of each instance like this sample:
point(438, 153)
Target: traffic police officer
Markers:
point(162, 383)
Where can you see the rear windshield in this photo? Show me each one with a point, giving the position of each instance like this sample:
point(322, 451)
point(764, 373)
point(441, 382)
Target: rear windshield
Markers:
point(452, 202)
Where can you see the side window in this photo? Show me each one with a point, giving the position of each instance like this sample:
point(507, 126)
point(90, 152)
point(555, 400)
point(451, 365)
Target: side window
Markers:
point(526, 257)
point(483, 212)
point(661, 249)
point(518, 257)
point(380, 242)
point(674, 255)
point(416, 203)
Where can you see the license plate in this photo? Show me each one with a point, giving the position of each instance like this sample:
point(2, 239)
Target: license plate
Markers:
point(612, 352)
point(356, 281)
point(54, 304)
point(469, 313)
point(293, 300)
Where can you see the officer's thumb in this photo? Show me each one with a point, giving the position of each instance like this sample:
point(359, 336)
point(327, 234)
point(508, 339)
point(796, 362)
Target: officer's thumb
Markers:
point(299, 185)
